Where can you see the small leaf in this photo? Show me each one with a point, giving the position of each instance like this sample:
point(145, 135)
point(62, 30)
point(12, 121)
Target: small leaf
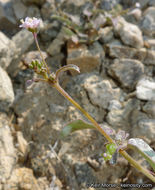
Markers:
point(68, 32)
point(67, 21)
point(74, 126)
point(144, 149)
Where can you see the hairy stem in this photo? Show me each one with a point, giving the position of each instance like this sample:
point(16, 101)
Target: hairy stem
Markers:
point(100, 129)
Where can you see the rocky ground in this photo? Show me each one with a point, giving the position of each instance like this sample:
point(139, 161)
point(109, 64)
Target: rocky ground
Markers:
point(116, 86)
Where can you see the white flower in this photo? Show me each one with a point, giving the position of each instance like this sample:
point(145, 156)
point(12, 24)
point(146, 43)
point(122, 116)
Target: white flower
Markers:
point(30, 24)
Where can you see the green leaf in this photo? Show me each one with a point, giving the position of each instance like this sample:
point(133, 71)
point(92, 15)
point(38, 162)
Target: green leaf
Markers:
point(144, 149)
point(75, 126)
point(67, 21)
point(68, 32)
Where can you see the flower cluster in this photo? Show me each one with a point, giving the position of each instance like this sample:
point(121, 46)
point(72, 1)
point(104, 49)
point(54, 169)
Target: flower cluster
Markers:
point(30, 24)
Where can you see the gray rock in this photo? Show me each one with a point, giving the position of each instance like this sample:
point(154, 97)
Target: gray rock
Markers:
point(146, 128)
point(47, 9)
point(134, 16)
point(32, 55)
point(127, 72)
point(7, 50)
point(56, 45)
point(114, 104)
point(100, 91)
point(151, 43)
point(6, 89)
point(33, 11)
point(7, 152)
point(49, 31)
point(119, 117)
point(106, 34)
point(118, 51)
point(73, 7)
point(129, 33)
point(108, 4)
point(77, 90)
point(7, 17)
point(23, 40)
point(149, 108)
point(151, 3)
point(84, 174)
point(148, 22)
point(86, 59)
point(19, 9)
point(145, 89)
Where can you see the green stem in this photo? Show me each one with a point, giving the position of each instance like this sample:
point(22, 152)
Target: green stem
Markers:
point(122, 152)
point(37, 44)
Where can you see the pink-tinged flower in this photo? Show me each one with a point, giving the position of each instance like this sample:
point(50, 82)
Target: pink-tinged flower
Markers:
point(30, 24)
point(137, 5)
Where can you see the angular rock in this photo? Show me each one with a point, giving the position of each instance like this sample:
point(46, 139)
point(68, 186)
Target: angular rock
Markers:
point(118, 51)
point(50, 31)
point(129, 33)
point(149, 108)
point(100, 91)
point(7, 151)
point(145, 89)
point(7, 50)
point(134, 16)
point(32, 55)
point(146, 128)
point(127, 72)
point(33, 11)
point(151, 44)
point(47, 9)
point(151, 3)
point(19, 9)
point(106, 34)
point(7, 17)
point(108, 4)
point(23, 40)
point(6, 91)
point(147, 23)
point(22, 178)
point(86, 59)
point(119, 116)
point(73, 7)
point(56, 45)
